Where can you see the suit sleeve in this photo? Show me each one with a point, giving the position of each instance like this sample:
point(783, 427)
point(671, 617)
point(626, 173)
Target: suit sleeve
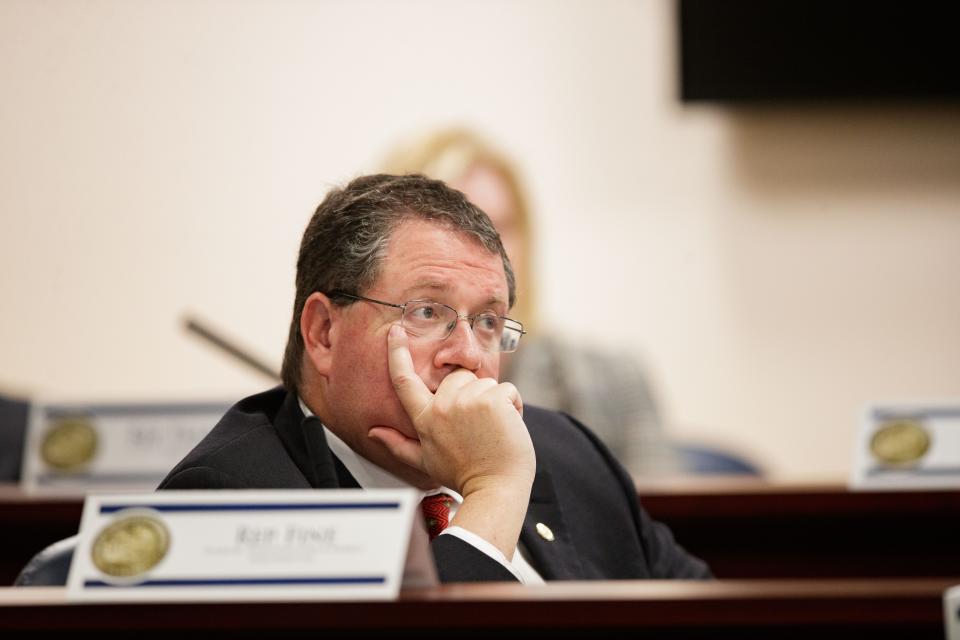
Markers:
point(665, 558)
point(459, 561)
point(201, 478)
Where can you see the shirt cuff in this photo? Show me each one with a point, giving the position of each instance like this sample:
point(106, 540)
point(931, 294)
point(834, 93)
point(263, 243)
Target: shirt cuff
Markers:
point(484, 547)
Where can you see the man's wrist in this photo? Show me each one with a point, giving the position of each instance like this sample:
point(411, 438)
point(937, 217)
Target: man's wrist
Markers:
point(495, 513)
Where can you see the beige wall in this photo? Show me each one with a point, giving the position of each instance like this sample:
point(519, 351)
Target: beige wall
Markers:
point(776, 268)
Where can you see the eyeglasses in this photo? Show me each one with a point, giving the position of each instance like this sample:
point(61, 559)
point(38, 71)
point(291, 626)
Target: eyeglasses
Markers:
point(436, 321)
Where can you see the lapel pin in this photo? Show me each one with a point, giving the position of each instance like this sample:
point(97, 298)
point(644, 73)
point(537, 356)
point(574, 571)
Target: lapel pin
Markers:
point(545, 532)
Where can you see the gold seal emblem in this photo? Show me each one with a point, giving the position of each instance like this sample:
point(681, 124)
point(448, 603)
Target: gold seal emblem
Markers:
point(130, 546)
point(900, 442)
point(69, 444)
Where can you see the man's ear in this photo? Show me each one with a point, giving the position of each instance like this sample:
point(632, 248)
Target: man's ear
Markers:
point(316, 328)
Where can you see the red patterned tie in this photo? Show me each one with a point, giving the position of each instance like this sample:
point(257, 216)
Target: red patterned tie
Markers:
point(436, 513)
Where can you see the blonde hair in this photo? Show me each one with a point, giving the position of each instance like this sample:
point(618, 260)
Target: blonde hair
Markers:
point(448, 155)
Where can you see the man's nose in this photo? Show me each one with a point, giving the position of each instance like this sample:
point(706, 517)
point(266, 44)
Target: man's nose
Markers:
point(461, 348)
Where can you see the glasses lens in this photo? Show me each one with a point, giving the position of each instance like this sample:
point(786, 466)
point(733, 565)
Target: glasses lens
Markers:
point(436, 321)
point(488, 329)
point(510, 338)
point(428, 319)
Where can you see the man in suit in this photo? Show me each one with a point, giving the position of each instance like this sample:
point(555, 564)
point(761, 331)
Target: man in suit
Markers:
point(390, 380)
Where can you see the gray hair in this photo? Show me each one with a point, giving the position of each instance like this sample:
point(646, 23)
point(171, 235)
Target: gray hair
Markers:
point(348, 236)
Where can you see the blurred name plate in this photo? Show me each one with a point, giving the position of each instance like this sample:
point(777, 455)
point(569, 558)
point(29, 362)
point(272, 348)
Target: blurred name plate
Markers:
point(951, 612)
point(908, 447)
point(112, 447)
point(244, 545)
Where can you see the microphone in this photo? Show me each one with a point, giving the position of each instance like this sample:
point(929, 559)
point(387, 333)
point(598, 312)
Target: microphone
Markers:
point(213, 337)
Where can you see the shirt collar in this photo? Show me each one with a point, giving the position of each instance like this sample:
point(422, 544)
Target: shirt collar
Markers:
point(367, 474)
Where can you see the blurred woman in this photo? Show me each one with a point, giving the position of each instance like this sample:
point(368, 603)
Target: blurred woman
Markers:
point(608, 392)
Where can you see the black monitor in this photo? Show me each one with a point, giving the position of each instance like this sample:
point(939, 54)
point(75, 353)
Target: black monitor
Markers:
point(819, 50)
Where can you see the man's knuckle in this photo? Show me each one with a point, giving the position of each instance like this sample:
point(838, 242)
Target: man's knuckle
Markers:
point(445, 410)
point(401, 380)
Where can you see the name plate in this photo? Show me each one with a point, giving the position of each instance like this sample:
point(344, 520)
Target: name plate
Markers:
point(951, 612)
point(248, 545)
point(110, 447)
point(908, 447)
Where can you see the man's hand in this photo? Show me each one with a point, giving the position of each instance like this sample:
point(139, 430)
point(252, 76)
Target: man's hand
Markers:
point(471, 431)
point(471, 438)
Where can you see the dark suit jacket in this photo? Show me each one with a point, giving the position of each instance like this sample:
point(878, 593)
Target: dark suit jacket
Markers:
point(580, 492)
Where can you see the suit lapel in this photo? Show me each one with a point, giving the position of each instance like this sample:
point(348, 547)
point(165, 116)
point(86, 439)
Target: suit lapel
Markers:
point(304, 441)
point(346, 479)
point(555, 559)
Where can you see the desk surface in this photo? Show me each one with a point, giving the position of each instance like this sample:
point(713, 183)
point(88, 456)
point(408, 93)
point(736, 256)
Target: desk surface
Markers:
point(905, 608)
point(743, 529)
point(749, 529)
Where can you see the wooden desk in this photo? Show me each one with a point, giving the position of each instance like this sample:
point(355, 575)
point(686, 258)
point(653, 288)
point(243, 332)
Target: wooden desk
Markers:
point(28, 524)
point(734, 609)
point(742, 529)
point(750, 529)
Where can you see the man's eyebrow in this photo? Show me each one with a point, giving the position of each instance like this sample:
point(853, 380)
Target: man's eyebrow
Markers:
point(441, 287)
point(434, 285)
point(494, 300)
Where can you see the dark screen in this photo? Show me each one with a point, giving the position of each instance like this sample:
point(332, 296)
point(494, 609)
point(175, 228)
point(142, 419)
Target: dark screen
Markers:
point(816, 49)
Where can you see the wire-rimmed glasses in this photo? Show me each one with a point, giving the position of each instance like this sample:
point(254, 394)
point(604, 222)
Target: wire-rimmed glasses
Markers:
point(435, 320)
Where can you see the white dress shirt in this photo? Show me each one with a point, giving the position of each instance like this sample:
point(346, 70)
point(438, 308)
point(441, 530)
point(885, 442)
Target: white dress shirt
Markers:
point(370, 476)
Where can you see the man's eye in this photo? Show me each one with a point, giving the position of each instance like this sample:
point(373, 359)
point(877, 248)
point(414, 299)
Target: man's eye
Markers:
point(487, 322)
point(424, 313)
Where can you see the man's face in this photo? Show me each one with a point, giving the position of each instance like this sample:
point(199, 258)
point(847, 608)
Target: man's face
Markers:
point(424, 261)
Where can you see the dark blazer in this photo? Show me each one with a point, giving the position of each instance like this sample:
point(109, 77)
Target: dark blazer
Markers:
point(580, 492)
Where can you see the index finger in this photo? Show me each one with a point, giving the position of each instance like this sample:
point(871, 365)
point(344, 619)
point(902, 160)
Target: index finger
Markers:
point(413, 394)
